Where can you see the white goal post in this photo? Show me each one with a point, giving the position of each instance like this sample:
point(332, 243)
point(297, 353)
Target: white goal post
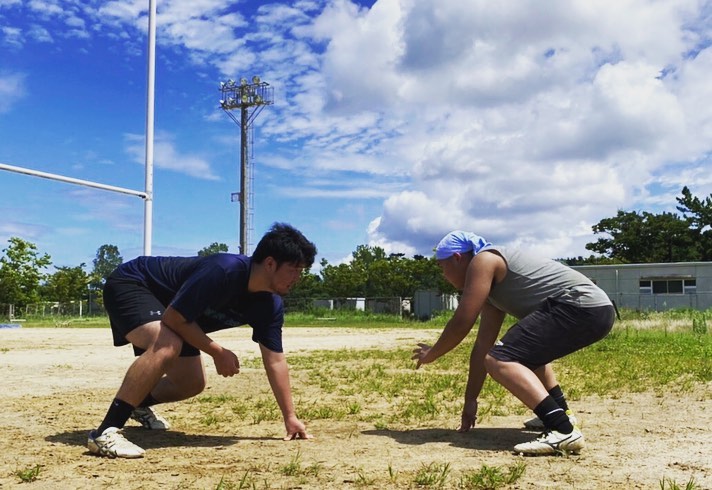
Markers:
point(147, 194)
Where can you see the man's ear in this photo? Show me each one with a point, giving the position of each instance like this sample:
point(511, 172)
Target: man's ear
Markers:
point(270, 264)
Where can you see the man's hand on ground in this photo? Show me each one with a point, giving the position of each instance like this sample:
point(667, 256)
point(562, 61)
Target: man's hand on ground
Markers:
point(296, 430)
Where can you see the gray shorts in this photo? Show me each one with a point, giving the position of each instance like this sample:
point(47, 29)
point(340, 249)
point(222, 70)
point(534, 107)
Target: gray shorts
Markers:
point(553, 331)
point(131, 304)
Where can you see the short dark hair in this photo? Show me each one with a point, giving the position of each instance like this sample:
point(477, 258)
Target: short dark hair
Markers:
point(285, 244)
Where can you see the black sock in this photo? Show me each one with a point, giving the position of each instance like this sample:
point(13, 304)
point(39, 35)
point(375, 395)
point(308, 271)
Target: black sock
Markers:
point(553, 416)
point(149, 401)
point(119, 412)
point(558, 395)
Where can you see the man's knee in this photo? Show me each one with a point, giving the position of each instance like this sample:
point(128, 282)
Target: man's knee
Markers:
point(167, 347)
point(157, 340)
point(188, 376)
point(195, 386)
point(491, 364)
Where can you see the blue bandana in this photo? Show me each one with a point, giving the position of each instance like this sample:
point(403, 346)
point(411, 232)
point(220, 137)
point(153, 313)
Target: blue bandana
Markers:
point(459, 242)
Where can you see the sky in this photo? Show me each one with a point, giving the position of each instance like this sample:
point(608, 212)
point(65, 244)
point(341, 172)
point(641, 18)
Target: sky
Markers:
point(393, 122)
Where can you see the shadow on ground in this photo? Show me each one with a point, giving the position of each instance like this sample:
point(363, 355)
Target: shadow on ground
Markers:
point(483, 439)
point(157, 439)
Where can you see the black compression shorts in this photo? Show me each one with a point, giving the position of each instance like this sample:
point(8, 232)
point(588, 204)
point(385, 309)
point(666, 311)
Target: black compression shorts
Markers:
point(553, 331)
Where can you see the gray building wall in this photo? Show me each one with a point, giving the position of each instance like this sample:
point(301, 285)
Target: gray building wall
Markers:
point(622, 283)
point(426, 302)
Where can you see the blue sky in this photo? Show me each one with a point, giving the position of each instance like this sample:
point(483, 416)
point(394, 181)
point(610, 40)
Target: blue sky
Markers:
point(394, 121)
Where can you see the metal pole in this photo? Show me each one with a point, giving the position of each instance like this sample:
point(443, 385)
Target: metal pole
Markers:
point(71, 180)
point(246, 95)
point(244, 123)
point(151, 82)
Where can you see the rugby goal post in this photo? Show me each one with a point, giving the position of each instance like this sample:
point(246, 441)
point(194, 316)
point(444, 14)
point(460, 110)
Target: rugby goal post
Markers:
point(147, 194)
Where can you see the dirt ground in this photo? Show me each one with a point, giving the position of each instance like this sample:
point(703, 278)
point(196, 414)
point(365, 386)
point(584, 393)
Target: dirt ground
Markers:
point(55, 385)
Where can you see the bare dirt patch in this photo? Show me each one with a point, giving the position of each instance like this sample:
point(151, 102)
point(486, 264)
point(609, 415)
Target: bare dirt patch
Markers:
point(55, 385)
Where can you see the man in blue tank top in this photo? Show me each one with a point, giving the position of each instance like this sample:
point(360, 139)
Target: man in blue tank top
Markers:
point(559, 311)
point(166, 306)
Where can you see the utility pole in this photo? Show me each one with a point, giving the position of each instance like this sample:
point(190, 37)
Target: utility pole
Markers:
point(250, 99)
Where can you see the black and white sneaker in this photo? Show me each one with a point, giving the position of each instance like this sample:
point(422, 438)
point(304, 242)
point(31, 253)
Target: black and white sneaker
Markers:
point(150, 419)
point(112, 444)
point(552, 442)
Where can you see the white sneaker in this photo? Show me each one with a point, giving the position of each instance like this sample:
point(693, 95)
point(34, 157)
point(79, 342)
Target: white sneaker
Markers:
point(553, 442)
point(150, 419)
point(535, 422)
point(113, 444)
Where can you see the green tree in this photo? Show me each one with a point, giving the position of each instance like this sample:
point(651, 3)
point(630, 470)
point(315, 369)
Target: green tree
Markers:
point(699, 213)
point(308, 287)
point(645, 237)
point(426, 275)
point(67, 284)
point(590, 260)
point(212, 249)
point(107, 259)
point(21, 272)
point(372, 273)
point(342, 281)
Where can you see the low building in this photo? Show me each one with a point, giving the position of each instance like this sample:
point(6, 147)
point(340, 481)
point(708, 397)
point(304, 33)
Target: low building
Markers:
point(427, 302)
point(654, 287)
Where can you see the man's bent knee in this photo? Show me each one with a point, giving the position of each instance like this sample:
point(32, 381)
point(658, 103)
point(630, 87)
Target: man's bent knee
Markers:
point(188, 375)
point(157, 339)
point(497, 368)
point(195, 386)
point(491, 364)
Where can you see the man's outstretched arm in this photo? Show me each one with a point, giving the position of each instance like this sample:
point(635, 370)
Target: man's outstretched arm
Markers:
point(277, 370)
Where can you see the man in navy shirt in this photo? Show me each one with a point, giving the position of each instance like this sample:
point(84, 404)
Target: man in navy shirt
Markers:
point(166, 306)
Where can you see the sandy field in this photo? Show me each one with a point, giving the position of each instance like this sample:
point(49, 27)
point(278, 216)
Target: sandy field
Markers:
point(56, 384)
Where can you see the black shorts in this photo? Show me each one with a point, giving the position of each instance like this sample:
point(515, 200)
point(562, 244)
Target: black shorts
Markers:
point(553, 331)
point(131, 304)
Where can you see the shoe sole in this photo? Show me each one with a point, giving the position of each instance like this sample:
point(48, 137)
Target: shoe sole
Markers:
point(556, 452)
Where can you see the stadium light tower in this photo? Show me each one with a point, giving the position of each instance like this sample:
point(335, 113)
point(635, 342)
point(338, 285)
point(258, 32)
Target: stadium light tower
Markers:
point(250, 99)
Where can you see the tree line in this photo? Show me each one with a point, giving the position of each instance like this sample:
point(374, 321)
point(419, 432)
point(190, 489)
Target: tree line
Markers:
point(628, 237)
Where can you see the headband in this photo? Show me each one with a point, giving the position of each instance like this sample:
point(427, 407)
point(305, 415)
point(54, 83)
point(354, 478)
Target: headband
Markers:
point(459, 242)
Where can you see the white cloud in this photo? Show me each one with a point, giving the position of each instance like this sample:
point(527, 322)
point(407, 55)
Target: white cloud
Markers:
point(12, 36)
point(46, 8)
point(527, 126)
point(40, 34)
point(166, 156)
point(526, 123)
point(11, 228)
point(120, 10)
point(12, 89)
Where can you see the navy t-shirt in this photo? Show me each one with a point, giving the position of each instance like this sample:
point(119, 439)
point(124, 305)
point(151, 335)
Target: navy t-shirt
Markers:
point(212, 291)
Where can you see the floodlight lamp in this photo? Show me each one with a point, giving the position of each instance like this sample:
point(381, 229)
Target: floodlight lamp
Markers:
point(245, 99)
point(258, 99)
point(243, 82)
point(222, 85)
point(256, 80)
point(231, 82)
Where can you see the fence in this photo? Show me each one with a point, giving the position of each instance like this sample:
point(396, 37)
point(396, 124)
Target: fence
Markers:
point(79, 308)
point(422, 304)
point(388, 305)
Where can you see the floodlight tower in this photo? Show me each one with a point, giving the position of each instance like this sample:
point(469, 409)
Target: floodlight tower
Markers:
point(250, 98)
